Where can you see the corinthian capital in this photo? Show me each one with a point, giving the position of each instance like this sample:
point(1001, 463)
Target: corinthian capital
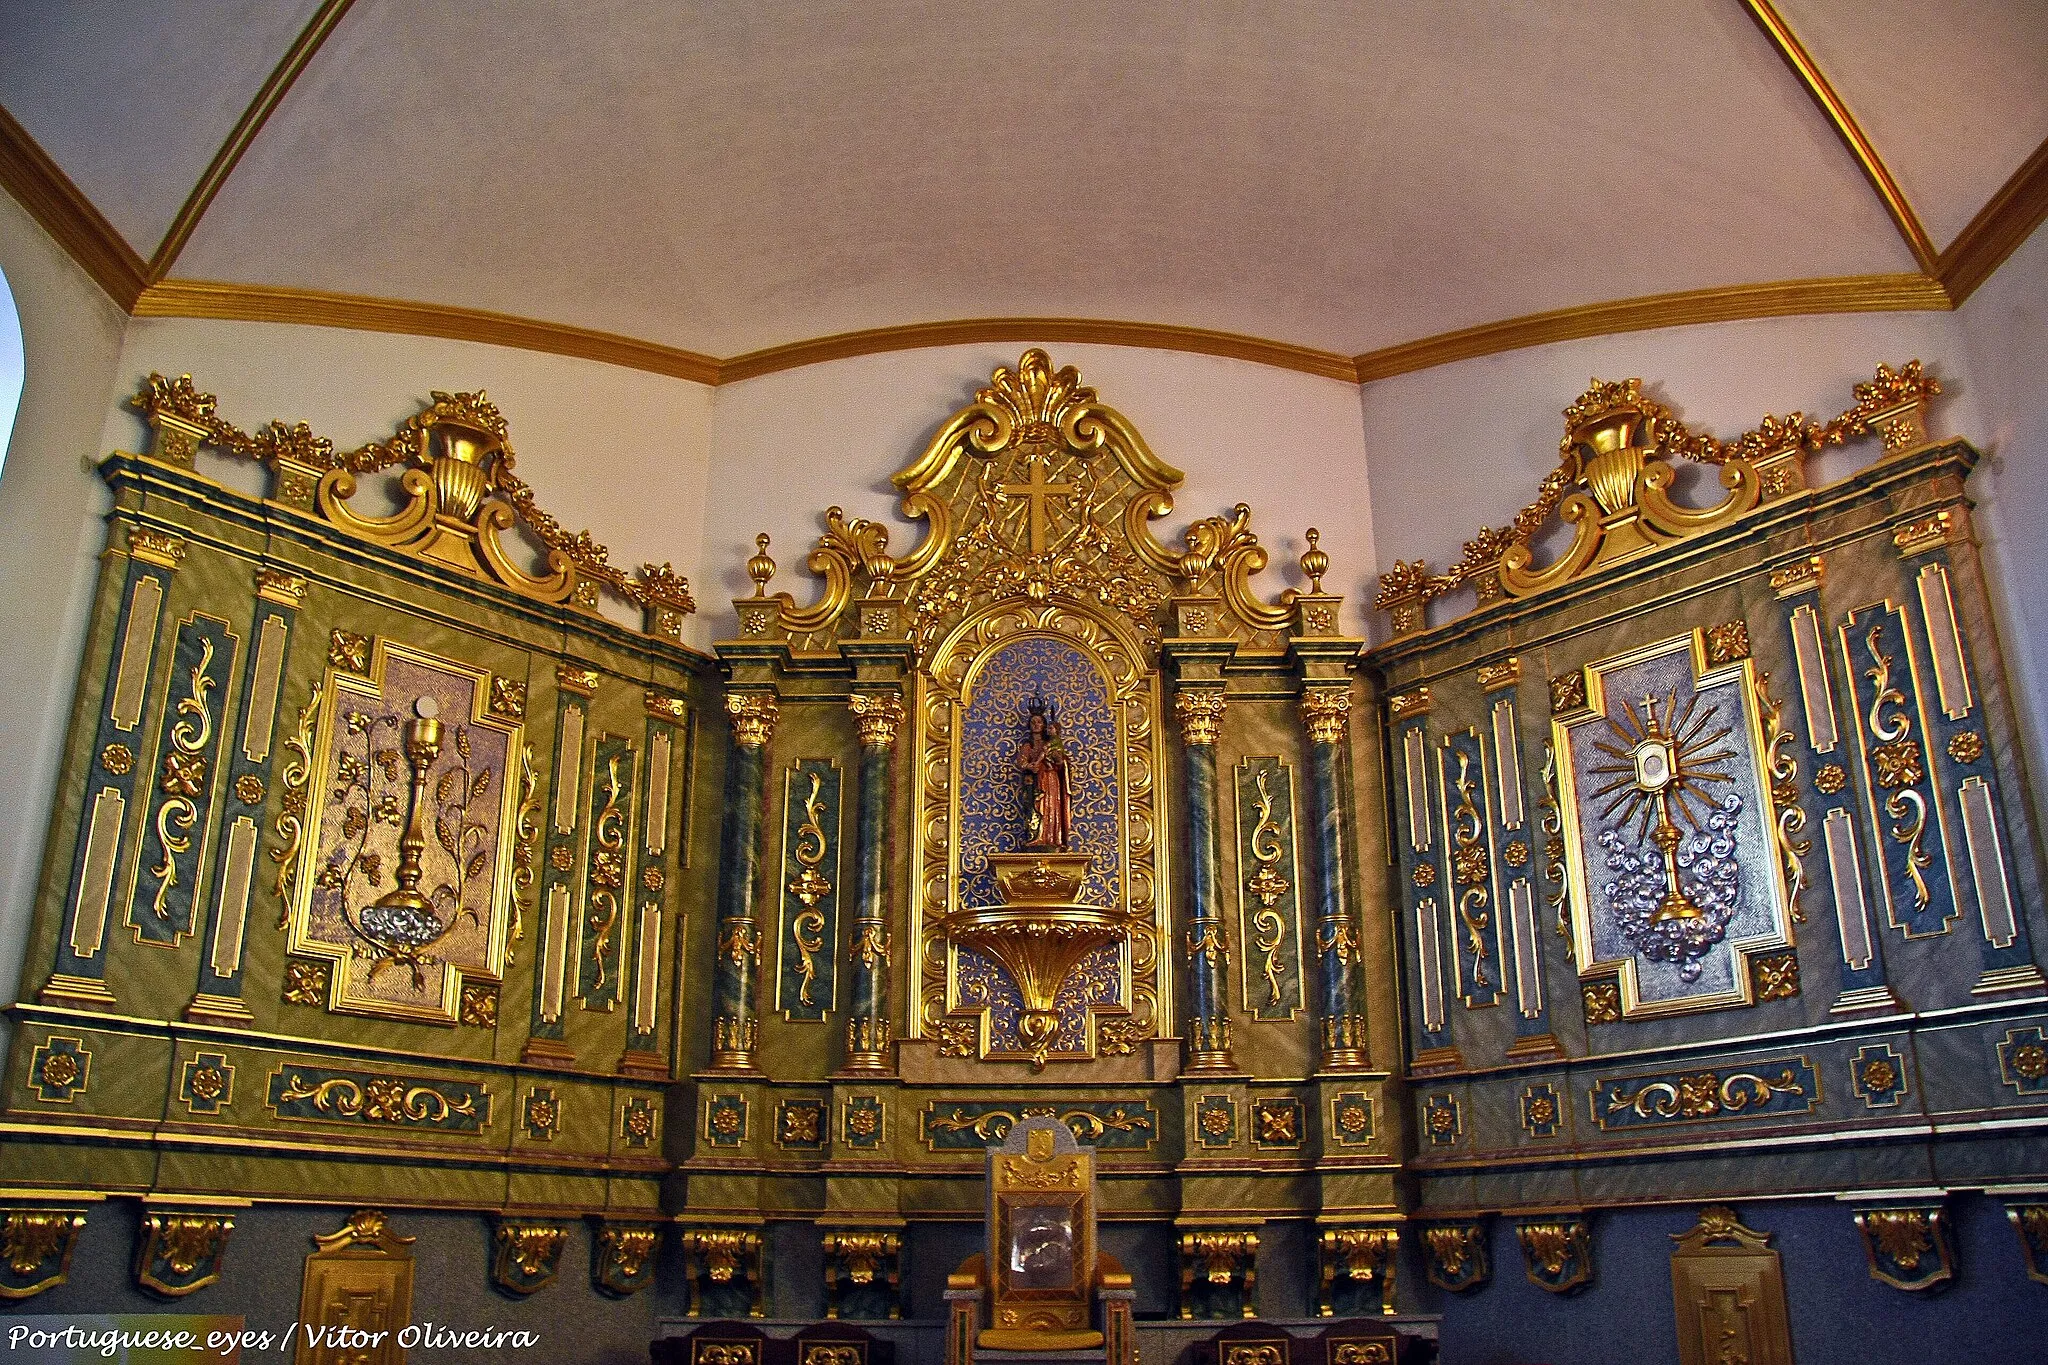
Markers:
point(1200, 712)
point(878, 715)
point(753, 717)
point(1326, 711)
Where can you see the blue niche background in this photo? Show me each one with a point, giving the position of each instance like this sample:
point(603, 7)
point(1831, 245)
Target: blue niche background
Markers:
point(993, 797)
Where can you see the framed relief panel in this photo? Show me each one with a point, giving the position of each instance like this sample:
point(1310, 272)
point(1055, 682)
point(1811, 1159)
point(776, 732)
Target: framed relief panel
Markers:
point(1670, 841)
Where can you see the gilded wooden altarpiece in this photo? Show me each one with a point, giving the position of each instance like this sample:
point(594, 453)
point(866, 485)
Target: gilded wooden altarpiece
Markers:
point(320, 761)
point(1038, 575)
point(1722, 794)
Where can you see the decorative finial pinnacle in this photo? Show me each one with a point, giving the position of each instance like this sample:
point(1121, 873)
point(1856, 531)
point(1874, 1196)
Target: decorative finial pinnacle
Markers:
point(761, 568)
point(1314, 562)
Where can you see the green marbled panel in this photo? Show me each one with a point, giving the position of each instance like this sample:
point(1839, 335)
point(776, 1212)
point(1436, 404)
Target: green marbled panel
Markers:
point(811, 825)
point(1263, 725)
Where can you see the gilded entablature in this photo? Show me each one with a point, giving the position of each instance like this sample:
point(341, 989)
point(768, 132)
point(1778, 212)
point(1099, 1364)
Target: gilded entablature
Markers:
point(455, 463)
point(1614, 479)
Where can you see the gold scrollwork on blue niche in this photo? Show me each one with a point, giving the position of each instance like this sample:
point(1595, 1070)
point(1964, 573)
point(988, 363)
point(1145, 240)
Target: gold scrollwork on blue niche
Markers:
point(1060, 677)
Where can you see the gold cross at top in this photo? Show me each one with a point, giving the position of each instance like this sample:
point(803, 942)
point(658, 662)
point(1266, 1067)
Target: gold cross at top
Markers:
point(1040, 492)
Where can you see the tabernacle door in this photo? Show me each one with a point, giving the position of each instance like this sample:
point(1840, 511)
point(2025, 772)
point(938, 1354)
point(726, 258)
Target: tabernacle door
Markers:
point(1041, 1221)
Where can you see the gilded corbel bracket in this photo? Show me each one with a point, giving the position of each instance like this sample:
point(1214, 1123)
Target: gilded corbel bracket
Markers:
point(35, 1248)
point(721, 1261)
point(526, 1254)
point(455, 464)
point(1613, 479)
point(1218, 1274)
point(180, 1250)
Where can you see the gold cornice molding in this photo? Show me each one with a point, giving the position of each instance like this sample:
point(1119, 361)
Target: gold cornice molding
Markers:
point(1733, 303)
point(1099, 331)
point(39, 185)
point(245, 130)
point(1837, 111)
point(315, 308)
point(1998, 229)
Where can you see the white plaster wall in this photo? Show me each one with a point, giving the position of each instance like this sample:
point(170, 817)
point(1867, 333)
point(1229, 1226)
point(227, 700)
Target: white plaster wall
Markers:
point(787, 446)
point(615, 451)
point(2005, 335)
point(50, 536)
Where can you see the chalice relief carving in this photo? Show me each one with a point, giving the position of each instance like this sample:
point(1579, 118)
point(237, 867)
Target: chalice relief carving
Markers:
point(1675, 889)
point(406, 867)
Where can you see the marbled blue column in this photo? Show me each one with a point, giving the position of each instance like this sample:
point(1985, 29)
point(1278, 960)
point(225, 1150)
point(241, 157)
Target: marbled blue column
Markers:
point(735, 982)
point(1200, 711)
point(1325, 712)
point(879, 715)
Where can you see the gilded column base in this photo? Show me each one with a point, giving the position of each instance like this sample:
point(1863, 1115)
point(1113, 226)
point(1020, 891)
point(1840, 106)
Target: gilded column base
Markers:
point(1208, 1048)
point(732, 1044)
point(2023, 980)
point(1434, 1059)
point(1344, 1043)
point(547, 1052)
point(218, 1009)
point(1535, 1046)
point(81, 992)
point(867, 1048)
point(1878, 999)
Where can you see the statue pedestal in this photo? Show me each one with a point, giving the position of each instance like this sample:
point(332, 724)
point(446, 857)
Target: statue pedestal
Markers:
point(1039, 933)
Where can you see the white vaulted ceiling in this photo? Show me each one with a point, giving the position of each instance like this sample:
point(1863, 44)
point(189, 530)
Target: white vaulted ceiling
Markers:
point(725, 178)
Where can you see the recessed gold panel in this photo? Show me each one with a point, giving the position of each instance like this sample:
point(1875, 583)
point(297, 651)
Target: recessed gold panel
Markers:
point(406, 883)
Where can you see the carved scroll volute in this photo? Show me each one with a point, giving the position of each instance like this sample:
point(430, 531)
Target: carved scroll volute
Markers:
point(1613, 438)
point(455, 469)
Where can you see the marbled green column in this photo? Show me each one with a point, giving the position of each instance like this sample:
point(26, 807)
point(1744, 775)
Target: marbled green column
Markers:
point(1200, 712)
point(735, 983)
point(1326, 712)
point(879, 715)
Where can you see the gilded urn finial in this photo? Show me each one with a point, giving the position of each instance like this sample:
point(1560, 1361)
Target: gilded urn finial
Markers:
point(761, 568)
point(1314, 562)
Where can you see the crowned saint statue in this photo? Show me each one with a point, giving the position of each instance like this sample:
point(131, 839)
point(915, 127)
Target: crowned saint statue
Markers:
point(1048, 823)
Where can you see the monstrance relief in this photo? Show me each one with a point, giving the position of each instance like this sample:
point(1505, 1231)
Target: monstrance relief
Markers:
point(1669, 833)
